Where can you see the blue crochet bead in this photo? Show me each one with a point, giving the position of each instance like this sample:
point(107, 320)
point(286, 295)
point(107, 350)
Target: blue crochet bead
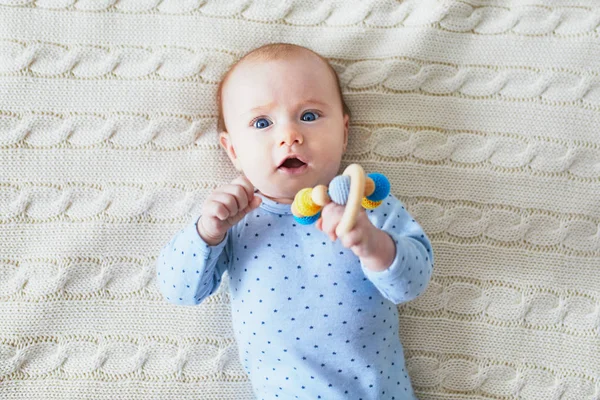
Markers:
point(382, 186)
point(339, 189)
point(308, 220)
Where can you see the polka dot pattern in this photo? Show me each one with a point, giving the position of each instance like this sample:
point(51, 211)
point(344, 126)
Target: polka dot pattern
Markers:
point(310, 320)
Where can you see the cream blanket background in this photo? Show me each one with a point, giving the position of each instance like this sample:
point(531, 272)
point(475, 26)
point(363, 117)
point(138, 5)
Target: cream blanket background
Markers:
point(484, 114)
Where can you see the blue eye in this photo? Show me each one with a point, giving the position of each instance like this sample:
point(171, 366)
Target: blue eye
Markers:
point(261, 125)
point(309, 113)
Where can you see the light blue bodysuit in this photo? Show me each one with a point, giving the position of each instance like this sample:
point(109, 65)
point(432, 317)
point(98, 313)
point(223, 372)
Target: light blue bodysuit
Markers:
point(310, 320)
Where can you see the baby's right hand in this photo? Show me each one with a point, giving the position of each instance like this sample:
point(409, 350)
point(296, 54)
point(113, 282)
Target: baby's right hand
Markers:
point(225, 207)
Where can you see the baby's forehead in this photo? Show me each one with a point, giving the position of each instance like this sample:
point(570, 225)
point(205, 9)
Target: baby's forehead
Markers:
point(287, 77)
point(256, 83)
point(307, 62)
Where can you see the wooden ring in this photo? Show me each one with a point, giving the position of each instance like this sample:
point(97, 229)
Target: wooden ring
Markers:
point(354, 204)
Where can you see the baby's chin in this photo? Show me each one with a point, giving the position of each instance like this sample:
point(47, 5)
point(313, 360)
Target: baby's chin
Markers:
point(283, 194)
point(282, 186)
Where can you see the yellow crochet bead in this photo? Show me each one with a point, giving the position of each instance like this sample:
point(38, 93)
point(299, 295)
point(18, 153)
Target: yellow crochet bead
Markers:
point(304, 203)
point(369, 204)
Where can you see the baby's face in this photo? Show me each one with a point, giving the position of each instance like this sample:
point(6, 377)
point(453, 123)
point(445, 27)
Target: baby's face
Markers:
point(276, 108)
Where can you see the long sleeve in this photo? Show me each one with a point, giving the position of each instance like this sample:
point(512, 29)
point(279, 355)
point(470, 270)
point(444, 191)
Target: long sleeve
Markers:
point(410, 272)
point(188, 269)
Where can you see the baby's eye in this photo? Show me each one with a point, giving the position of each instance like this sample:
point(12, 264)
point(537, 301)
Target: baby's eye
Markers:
point(258, 124)
point(314, 116)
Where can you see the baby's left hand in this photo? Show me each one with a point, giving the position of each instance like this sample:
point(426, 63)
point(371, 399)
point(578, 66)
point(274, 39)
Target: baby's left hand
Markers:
point(359, 239)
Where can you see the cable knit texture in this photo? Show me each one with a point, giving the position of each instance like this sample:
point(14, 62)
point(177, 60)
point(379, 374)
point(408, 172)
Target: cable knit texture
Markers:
point(483, 114)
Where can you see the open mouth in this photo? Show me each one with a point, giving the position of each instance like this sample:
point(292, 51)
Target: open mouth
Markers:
point(292, 163)
point(292, 166)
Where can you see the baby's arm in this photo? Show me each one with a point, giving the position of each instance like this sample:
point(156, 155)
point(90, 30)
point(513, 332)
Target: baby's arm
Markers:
point(410, 272)
point(188, 269)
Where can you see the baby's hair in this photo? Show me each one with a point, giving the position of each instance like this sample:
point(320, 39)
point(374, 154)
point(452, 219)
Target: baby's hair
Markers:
point(268, 52)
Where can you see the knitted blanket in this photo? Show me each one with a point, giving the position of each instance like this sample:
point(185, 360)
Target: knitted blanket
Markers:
point(483, 114)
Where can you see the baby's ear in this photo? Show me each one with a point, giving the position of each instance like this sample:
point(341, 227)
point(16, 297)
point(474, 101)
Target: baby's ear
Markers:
point(227, 144)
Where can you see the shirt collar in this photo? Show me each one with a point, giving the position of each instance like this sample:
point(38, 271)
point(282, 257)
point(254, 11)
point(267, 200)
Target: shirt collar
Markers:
point(273, 206)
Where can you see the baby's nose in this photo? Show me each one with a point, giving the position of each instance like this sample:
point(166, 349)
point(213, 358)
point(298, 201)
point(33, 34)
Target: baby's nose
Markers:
point(291, 136)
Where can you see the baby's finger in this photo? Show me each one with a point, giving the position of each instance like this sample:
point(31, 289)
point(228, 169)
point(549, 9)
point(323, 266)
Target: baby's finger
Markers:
point(239, 193)
point(328, 227)
point(215, 209)
point(246, 184)
point(254, 203)
point(225, 200)
point(240, 215)
point(332, 214)
point(351, 239)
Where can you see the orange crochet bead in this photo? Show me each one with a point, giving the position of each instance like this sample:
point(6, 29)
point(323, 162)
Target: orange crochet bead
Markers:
point(369, 186)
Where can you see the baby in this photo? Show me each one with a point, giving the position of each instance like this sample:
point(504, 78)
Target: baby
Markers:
point(314, 317)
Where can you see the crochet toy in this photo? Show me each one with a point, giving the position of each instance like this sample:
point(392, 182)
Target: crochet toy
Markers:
point(352, 189)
